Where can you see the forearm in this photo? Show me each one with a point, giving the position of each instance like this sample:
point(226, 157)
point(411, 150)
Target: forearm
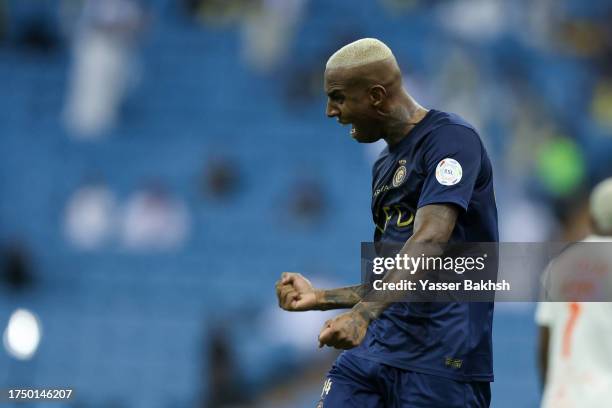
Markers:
point(349, 329)
point(339, 298)
point(433, 227)
point(374, 303)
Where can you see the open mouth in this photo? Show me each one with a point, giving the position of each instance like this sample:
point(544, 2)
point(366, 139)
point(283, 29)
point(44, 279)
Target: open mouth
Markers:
point(353, 130)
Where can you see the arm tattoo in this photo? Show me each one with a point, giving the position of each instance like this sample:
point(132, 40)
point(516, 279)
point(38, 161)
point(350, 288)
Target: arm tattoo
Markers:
point(433, 225)
point(341, 298)
point(370, 310)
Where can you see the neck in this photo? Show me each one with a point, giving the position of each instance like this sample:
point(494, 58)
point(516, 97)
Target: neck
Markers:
point(403, 119)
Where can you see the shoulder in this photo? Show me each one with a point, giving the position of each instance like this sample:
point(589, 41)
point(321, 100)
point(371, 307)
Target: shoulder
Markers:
point(447, 125)
point(441, 118)
point(450, 133)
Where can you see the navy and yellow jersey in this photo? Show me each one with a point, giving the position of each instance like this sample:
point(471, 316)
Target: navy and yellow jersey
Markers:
point(441, 161)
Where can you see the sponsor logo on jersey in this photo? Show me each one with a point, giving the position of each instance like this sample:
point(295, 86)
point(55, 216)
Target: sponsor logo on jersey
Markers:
point(381, 190)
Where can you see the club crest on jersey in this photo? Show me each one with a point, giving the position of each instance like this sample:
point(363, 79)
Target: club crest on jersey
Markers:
point(449, 172)
point(399, 176)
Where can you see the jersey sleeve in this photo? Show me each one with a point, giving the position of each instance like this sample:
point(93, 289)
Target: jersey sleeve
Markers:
point(451, 161)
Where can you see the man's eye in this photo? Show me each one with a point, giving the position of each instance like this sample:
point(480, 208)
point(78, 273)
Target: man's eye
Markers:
point(336, 98)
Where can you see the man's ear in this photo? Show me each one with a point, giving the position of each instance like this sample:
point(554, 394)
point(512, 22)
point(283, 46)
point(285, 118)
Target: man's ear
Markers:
point(378, 94)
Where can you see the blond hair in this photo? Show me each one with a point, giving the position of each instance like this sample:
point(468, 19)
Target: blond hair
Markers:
point(360, 52)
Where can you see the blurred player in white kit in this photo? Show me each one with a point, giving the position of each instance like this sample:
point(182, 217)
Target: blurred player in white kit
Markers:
point(575, 345)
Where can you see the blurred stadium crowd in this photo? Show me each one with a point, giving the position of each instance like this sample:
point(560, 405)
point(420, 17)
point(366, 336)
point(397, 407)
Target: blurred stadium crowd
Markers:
point(163, 161)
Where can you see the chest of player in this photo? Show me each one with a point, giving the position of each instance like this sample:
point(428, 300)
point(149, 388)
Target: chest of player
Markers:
point(398, 181)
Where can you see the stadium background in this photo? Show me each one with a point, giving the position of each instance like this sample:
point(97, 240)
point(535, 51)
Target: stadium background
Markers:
point(163, 161)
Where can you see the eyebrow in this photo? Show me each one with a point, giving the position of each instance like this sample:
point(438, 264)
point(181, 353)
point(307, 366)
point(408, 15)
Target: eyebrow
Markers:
point(334, 92)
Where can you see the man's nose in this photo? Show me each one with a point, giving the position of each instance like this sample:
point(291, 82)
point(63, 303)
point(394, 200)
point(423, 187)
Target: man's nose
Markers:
point(331, 110)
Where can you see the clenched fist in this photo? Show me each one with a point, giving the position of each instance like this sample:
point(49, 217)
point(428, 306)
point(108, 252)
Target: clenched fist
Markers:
point(295, 293)
point(344, 331)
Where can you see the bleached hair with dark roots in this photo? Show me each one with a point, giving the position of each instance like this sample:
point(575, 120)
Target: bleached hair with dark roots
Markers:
point(360, 52)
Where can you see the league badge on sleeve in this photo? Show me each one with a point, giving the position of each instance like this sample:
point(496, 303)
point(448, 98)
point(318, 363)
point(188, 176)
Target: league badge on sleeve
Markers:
point(449, 172)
